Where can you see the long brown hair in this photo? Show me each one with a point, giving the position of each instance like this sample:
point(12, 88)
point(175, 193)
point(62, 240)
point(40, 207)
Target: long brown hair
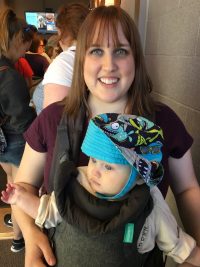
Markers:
point(69, 19)
point(11, 26)
point(102, 18)
point(36, 43)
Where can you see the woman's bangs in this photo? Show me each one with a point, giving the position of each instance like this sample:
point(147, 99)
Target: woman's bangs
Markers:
point(103, 27)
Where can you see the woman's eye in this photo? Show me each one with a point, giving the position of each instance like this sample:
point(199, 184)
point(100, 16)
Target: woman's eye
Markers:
point(121, 52)
point(108, 167)
point(96, 52)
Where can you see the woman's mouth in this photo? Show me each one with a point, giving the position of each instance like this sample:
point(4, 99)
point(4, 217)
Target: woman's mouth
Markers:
point(108, 81)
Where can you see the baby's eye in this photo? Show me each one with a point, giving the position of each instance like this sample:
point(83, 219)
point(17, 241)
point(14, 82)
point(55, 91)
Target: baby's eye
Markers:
point(121, 52)
point(108, 167)
point(93, 160)
point(96, 52)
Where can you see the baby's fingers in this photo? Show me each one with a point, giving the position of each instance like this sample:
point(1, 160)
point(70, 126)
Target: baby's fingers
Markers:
point(4, 196)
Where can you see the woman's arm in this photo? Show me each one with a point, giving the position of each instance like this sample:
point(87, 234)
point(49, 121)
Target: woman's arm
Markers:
point(30, 176)
point(187, 194)
point(53, 93)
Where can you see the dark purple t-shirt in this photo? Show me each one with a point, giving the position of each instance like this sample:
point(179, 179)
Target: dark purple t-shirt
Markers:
point(38, 63)
point(41, 137)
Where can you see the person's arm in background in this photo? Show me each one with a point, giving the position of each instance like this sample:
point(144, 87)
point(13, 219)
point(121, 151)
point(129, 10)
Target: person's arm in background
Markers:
point(53, 93)
point(58, 78)
point(30, 176)
point(186, 190)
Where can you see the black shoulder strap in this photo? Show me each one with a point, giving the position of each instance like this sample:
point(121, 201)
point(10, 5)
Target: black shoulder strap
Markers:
point(67, 144)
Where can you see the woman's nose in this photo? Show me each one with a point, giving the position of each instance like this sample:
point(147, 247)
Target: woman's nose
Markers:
point(109, 63)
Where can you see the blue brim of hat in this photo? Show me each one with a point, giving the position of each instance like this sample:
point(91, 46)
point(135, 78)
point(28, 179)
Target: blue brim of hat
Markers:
point(97, 145)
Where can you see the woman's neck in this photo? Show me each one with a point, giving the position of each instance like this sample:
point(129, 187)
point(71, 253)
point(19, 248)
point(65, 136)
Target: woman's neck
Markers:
point(98, 107)
point(66, 44)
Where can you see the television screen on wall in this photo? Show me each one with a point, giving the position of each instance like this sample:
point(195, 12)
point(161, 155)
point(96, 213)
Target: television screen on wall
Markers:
point(43, 21)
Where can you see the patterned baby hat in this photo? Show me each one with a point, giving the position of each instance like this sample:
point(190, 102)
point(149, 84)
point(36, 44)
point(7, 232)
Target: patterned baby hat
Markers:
point(126, 139)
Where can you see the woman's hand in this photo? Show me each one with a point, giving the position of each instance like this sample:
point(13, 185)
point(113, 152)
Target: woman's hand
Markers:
point(38, 250)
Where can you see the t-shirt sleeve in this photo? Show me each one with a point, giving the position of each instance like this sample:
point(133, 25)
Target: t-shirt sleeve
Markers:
point(41, 134)
point(60, 71)
point(176, 137)
point(34, 136)
point(28, 72)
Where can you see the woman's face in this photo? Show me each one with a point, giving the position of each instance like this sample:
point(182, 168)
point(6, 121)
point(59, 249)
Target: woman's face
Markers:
point(109, 70)
point(41, 47)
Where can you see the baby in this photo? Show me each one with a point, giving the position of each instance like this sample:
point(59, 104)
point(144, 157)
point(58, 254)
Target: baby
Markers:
point(118, 184)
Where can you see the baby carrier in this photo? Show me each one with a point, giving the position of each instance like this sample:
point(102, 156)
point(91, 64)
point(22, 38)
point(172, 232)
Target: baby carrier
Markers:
point(94, 232)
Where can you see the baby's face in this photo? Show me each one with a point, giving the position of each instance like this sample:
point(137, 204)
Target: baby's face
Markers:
point(107, 178)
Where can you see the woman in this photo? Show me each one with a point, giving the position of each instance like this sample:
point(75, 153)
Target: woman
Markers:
point(109, 76)
point(57, 80)
point(15, 112)
point(35, 57)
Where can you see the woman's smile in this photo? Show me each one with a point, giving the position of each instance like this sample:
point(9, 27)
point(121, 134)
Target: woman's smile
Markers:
point(109, 67)
point(108, 81)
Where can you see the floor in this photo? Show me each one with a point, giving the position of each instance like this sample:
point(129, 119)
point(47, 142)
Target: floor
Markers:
point(5, 232)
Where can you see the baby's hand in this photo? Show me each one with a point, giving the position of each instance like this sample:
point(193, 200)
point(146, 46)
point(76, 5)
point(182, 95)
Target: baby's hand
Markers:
point(11, 194)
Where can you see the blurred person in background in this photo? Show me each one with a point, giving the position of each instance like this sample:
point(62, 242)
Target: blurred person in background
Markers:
point(15, 113)
point(35, 58)
point(53, 48)
point(24, 68)
point(58, 77)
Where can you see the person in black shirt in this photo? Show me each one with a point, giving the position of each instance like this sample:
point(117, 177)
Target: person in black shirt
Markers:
point(15, 113)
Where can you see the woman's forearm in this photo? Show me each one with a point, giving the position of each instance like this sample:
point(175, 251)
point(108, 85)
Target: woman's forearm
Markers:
point(37, 245)
point(188, 204)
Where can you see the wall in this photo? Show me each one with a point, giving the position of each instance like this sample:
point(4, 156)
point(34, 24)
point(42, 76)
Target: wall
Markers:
point(172, 54)
point(129, 7)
